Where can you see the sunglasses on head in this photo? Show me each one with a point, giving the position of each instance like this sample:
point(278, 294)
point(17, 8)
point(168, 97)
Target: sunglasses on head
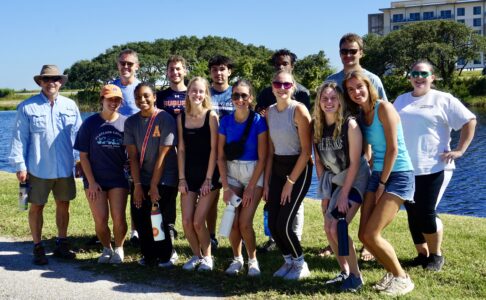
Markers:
point(238, 96)
point(51, 78)
point(417, 74)
point(126, 63)
point(282, 85)
point(345, 51)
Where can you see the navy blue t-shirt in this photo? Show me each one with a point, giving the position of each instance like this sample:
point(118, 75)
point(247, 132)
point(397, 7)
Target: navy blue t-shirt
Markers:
point(103, 142)
point(171, 101)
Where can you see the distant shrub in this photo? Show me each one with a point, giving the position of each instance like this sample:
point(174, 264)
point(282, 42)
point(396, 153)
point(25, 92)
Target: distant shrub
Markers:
point(395, 85)
point(88, 100)
point(6, 92)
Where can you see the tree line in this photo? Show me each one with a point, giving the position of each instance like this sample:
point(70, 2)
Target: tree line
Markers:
point(443, 43)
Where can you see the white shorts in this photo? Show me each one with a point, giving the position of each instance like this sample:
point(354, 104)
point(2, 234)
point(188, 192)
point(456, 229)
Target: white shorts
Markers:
point(241, 171)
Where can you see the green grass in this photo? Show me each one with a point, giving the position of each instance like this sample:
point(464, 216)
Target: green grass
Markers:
point(462, 276)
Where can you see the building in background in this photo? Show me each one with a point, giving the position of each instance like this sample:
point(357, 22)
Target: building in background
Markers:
point(469, 12)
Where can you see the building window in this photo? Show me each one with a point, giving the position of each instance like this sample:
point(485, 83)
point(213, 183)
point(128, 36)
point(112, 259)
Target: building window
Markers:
point(445, 14)
point(477, 22)
point(398, 18)
point(414, 16)
point(461, 21)
point(428, 15)
point(395, 27)
point(477, 31)
point(461, 61)
point(477, 10)
point(461, 12)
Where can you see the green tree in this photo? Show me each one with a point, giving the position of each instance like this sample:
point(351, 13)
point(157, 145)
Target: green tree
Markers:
point(373, 54)
point(443, 43)
point(312, 70)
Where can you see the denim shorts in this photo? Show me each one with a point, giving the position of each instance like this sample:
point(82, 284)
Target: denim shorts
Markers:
point(241, 171)
point(400, 184)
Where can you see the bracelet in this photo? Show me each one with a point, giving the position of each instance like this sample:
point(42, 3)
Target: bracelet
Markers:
point(226, 189)
point(182, 179)
point(290, 180)
point(137, 183)
point(382, 183)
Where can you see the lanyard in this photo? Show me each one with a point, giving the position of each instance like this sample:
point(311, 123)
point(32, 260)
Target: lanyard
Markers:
point(147, 135)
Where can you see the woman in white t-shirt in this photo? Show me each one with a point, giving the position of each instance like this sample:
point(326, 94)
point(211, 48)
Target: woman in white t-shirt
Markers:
point(428, 116)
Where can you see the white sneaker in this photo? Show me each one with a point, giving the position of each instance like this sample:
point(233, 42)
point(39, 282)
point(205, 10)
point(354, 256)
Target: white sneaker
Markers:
point(253, 269)
point(399, 286)
point(299, 270)
point(118, 256)
point(206, 264)
point(284, 269)
point(192, 263)
point(383, 283)
point(174, 257)
point(105, 256)
point(235, 267)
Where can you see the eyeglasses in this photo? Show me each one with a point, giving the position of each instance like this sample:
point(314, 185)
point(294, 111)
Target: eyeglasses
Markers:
point(282, 85)
point(238, 96)
point(345, 51)
point(51, 78)
point(126, 63)
point(417, 74)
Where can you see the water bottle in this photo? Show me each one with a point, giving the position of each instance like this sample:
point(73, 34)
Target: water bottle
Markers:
point(157, 225)
point(229, 216)
point(342, 231)
point(23, 195)
point(266, 229)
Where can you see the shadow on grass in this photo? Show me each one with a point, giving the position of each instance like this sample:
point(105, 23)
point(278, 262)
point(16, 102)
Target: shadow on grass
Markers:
point(133, 278)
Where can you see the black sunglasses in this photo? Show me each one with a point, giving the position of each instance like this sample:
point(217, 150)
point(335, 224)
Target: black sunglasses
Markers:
point(51, 78)
point(237, 96)
point(126, 63)
point(345, 51)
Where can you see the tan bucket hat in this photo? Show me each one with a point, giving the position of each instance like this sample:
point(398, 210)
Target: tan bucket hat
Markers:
point(50, 71)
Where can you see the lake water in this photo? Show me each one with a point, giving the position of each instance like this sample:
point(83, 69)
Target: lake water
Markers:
point(466, 194)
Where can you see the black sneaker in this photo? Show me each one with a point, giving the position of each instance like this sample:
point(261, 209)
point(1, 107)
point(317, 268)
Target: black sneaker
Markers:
point(39, 255)
point(62, 250)
point(267, 247)
point(214, 243)
point(420, 260)
point(435, 262)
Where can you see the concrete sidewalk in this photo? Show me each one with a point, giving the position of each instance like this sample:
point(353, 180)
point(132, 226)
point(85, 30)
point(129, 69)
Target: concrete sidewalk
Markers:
point(20, 279)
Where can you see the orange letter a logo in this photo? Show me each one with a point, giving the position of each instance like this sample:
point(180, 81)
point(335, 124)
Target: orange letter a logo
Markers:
point(156, 131)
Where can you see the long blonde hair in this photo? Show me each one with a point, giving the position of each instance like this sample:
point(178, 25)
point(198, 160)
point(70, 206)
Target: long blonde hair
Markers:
point(373, 96)
point(207, 98)
point(319, 116)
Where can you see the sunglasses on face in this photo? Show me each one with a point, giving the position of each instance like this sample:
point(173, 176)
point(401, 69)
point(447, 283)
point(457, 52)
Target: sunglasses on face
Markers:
point(126, 63)
point(282, 85)
point(345, 51)
point(51, 79)
point(417, 74)
point(238, 96)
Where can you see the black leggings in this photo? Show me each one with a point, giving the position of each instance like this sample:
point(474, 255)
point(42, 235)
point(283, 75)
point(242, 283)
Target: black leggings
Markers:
point(280, 218)
point(422, 214)
point(151, 250)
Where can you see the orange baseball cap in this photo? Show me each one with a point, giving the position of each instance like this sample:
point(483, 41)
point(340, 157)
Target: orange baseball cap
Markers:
point(111, 90)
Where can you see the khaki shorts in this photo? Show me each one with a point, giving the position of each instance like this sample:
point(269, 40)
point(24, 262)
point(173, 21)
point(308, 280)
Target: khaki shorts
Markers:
point(64, 189)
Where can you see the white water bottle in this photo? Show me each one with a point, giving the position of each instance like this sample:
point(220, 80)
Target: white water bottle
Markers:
point(23, 195)
point(157, 225)
point(229, 216)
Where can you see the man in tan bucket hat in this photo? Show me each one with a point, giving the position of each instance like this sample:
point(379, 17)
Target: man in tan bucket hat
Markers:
point(42, 155)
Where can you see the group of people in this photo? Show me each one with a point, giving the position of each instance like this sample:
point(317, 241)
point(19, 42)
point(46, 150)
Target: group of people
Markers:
point(198, 139)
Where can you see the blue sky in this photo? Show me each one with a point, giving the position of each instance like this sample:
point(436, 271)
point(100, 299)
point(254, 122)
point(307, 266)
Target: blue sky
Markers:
point(34, 33)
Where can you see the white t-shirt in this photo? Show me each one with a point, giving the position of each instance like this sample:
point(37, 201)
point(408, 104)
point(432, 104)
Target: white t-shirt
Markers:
point(427, 123)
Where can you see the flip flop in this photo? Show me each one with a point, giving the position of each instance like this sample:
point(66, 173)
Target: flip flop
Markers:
point(365, 255)
point(326, 251)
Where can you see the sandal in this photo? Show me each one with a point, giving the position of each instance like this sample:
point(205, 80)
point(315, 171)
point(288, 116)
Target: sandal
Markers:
point(326, 251)
point(365, 255)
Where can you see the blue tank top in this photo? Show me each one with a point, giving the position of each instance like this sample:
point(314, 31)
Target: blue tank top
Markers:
point(375, 136)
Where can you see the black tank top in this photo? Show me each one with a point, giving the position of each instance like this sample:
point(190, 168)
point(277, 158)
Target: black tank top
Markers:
point(197, 142)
